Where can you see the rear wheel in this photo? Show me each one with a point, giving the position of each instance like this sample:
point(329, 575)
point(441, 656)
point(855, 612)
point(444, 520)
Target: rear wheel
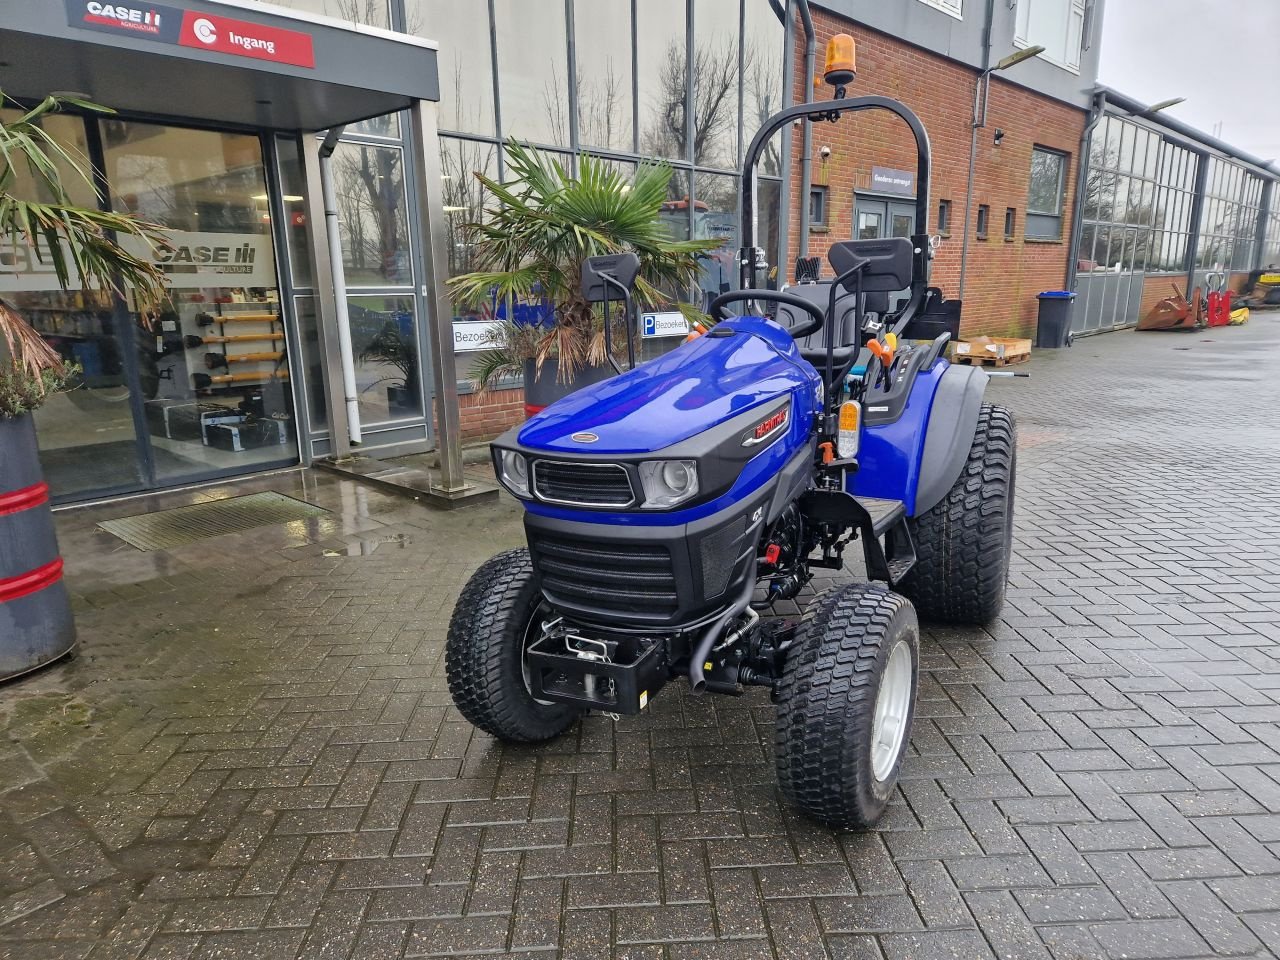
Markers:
point(963, 542)
point(492, 624)
point(846, 698)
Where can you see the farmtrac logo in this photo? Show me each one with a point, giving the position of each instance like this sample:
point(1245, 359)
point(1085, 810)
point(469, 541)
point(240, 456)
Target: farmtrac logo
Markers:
point(139, 19)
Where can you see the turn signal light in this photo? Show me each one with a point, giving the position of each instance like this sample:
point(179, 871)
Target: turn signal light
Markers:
point(849, 433)
point(842, 60)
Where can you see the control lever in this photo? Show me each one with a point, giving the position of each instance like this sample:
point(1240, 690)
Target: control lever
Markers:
point(885, 352)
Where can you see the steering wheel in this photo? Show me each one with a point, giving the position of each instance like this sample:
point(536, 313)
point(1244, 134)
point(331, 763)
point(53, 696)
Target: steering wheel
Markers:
point(775, 296)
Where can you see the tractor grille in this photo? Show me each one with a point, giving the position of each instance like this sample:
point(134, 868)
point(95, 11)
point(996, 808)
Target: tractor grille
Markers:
point(582, 484)
point(612, 577)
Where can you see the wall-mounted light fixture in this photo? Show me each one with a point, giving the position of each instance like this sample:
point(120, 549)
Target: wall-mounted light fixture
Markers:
point(999, 137)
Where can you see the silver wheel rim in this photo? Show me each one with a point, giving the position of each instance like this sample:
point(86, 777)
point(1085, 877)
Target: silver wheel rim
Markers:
point(893, 703)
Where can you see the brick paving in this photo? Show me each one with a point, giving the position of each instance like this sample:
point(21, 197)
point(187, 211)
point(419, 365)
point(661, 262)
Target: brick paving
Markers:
point(255, 754)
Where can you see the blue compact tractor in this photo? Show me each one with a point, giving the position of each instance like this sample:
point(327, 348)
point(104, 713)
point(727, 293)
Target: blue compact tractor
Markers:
point(665, 507)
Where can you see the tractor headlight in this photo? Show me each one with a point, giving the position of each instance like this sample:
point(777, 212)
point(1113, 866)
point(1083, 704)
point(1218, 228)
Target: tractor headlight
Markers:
point(668, 482)
point(513, 471)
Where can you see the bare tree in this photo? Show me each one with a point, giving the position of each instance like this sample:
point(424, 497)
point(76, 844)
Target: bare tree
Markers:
point(370, 190)
point(762, 96)
point(715, 83)
point(602, 119)
point(372, 12)
point(464, 196)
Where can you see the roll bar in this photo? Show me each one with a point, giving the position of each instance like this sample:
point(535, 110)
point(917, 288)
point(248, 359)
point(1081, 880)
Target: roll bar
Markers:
point(831, 110)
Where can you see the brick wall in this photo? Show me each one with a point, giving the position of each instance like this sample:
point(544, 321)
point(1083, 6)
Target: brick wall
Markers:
point(1003, 277)
point(1156, 288)
point(484, 416)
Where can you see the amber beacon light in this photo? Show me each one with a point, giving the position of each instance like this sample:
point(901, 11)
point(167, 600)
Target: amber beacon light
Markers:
point(842, 61)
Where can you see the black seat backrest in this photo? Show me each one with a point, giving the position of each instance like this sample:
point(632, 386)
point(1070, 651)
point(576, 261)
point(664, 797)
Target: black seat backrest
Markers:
point(820, 293)
point(890, 268)
point(877, 302)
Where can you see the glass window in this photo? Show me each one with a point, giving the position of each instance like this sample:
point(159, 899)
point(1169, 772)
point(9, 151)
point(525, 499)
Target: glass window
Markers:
point(370, 12)
point(984, 220)
point(213, 369)
point(465, 59)
point(387, 125)
point(1126, 147)
point(1101, 249)
point(369, 186)
point(86, 435)
point(769, 206)
point(764, 41)
point(715, 83)
point(944, 217)
point(662, 86)
point(533, 58)
point(294, 186)
point(715, 217)
point(1045, 196)
point(1010, 222)
point(464, 195)
point(384, 340)
point(953, 7)
point(1058, 25)
point(602, 49)
point(818, 206)
point(312, 362)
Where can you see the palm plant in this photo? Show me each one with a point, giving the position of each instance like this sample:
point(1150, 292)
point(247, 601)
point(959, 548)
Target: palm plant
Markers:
point(532, 243)
point(81, 244)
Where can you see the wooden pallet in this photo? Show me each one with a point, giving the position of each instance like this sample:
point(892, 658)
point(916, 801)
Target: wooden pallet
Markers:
point(989, 360)
point(996, 351)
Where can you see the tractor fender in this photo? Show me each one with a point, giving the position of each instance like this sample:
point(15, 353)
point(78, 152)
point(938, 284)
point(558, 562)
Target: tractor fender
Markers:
point(953, 421)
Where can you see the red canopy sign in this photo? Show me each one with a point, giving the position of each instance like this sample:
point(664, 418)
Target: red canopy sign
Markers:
point(205, 31)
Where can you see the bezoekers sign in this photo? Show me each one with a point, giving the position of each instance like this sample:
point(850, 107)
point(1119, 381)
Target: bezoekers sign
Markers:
point(194, 29)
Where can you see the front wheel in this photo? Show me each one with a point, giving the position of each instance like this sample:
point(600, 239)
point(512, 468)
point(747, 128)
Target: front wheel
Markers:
point(964, 542)
point(846, 698)
point(492, 625)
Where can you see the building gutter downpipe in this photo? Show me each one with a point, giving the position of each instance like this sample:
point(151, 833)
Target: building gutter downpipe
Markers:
point(806, 155)
point(978, 120)
point(1082, 179)
point(345, 351)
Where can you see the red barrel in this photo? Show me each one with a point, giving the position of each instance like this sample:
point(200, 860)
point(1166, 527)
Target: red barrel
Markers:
point(36, 625)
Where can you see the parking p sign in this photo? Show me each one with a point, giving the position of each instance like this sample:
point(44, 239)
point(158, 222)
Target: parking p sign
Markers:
point(654, 325)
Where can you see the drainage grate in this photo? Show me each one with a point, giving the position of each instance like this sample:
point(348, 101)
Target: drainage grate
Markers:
point(200, 521)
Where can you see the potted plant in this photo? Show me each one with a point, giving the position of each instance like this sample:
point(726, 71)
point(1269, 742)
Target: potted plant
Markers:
point(391, 346)
point(528, 253)
point(82, 245)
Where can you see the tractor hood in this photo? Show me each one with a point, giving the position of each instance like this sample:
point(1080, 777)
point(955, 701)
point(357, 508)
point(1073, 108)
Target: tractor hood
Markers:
point(743, 362)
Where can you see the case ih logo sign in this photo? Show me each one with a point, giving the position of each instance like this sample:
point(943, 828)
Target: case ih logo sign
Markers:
point(143, 20)
point(191, 28)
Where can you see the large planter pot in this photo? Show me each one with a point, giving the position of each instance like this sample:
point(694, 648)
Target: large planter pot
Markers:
point(543, 387)
point(36, 625)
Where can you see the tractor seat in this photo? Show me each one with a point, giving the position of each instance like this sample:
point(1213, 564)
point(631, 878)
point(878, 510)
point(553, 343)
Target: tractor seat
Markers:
point(889, 269)
point(848, 336)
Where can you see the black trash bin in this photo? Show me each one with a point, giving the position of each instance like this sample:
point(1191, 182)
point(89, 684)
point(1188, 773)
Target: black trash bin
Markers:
point(1053, 324)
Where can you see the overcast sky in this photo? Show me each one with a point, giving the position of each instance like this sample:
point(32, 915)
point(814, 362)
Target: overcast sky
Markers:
point(1222, 55)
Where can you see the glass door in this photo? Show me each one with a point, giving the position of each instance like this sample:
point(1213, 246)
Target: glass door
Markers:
point(875, 218)
point(87, 437)
point(212, 394)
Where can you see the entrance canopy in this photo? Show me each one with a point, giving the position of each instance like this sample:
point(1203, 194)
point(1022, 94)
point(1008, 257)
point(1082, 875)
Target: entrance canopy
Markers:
point(236, 63)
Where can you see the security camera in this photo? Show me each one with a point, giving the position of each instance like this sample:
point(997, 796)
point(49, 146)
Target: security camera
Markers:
point(824, 152)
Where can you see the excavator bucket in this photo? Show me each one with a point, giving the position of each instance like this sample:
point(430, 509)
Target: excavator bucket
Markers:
point(1175, 313)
